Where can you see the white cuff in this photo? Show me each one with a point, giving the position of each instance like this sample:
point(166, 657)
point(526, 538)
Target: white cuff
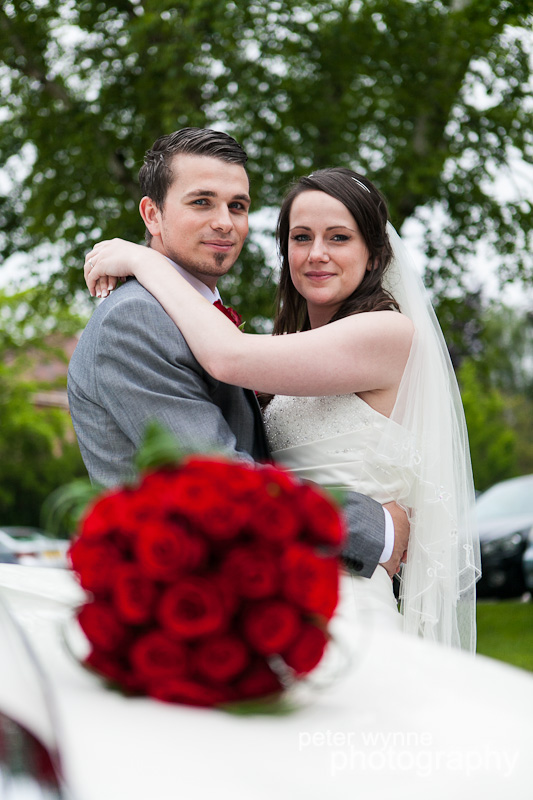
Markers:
point(389, 538)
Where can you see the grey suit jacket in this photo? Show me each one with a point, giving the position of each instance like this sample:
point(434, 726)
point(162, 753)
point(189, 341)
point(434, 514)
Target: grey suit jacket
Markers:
point(132, 365)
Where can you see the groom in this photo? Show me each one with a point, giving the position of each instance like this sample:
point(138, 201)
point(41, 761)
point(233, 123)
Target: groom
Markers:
point(132, 364)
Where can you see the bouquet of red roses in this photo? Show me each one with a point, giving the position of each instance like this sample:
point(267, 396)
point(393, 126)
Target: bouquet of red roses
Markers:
point(209, 582)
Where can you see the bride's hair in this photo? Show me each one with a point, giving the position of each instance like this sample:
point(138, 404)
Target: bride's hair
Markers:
point(369, 209)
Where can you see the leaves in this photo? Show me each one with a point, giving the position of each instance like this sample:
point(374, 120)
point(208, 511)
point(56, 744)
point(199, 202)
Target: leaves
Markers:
point(37, 448)
point(158, 448)
point(383, 86)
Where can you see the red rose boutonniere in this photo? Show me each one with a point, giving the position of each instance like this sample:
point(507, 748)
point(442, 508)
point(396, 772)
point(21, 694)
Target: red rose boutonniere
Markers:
point(204, 577)
point(230, 313)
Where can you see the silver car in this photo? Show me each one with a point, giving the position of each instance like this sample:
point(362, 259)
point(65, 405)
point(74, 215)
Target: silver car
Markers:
point(31, 547)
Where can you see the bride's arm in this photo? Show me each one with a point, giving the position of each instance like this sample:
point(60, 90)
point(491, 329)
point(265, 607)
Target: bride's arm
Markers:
point(363, 352)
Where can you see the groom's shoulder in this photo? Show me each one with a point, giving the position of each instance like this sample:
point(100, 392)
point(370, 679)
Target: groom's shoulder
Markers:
point(129, 293)
point(124, 304)
point(129, 312)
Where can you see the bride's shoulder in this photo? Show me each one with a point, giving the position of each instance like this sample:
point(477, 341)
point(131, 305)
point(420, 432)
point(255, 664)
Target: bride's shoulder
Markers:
point(398, 322)
point(384, 324)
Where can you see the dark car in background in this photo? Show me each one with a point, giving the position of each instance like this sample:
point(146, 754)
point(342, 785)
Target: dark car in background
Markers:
point(505, 519)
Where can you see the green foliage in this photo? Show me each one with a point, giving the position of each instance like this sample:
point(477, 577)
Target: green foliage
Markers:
point(36, 455)
point(506, 354)
point(492, 348)
point(36, 318)
point(492, 441)
point(63, 509)
point(462, 321)
point(430, 98)
point(385, 86)
point(159, 448)
point(519, 411)
point(37, 448)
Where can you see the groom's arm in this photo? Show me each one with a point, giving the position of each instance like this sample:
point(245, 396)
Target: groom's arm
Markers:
point(365, 519)
point(365, 543)
point(131, 366)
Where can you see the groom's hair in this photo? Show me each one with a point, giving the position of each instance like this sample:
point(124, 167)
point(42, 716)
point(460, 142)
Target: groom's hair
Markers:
point(156, 175)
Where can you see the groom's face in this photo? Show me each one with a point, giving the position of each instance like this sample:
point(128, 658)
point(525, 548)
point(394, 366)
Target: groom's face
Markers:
point(204, 220)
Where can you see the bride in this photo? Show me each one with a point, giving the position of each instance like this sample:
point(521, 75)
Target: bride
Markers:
point(363, 392)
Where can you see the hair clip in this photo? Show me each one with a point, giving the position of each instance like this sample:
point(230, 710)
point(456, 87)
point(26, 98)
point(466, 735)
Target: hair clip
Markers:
point(362, 185)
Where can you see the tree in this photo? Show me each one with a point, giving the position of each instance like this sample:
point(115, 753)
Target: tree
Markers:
point(506, 353)
point(38, 452)
point(492, 441)
point(385, 86)
point(496, 378)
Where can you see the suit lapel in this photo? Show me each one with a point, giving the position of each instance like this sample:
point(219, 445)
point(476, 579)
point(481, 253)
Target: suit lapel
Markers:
point(260, 440)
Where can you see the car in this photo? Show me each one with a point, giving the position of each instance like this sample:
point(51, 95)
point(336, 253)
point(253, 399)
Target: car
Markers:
point(29, 546)
point(7, 555)
point(351, 726)
point(505, 518)
point(527, 563)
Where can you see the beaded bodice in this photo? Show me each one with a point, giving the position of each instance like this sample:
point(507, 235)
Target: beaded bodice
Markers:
point(293, 421)
point(340, 441)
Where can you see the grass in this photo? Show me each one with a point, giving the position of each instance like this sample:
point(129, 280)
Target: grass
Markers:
point(505, 632)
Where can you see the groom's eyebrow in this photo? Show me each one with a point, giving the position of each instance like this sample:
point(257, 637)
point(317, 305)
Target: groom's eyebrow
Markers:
point(211, 193)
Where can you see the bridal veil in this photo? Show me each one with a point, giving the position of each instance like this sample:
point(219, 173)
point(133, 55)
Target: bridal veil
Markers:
point(437, 593)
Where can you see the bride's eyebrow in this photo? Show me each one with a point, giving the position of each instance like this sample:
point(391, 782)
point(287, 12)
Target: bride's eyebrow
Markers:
point(329, 228)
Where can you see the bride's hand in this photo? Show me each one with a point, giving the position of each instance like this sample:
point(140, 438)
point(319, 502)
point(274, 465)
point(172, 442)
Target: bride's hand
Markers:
point(109, 260)
point(105, 285)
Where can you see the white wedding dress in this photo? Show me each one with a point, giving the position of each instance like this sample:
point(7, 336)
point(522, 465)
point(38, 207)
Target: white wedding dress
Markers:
point(335, 441)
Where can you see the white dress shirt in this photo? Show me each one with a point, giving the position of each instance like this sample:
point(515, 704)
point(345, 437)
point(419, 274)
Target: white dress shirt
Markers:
point(199, 285)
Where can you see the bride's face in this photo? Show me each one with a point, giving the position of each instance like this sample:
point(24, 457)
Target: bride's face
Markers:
point(328, 256)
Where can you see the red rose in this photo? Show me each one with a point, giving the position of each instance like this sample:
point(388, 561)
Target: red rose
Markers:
point(198, 576)
point(221, 658)
point(238, 481)
point(271, 626)
point(192, 608)
point(323, 522)
point(278, 481)
point(192, 693)
point(157, 485)
point(165, 549)
point(258, 681)
point(275, 519)
point(100, 625)
point(134, 594)
point(216, 495)
point(156, 497)
point(229, 312)
point(200, 499)
point(110, 512)
point(306, 651)
point(310, 580)
point(228, 594)
point(156, 655)
point(95, 562)
point(253, 570)
point(275, 516)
